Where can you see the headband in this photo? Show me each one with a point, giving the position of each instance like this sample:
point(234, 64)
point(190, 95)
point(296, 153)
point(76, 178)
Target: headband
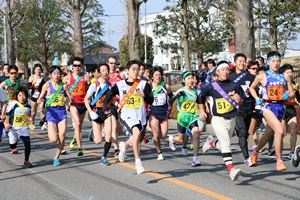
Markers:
point(272, 57)
point(223, 65)
point(185, 74)
point(56, 71)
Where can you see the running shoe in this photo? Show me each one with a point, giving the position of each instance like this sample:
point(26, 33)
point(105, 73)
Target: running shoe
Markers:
point(122, 154)
point(184, 151)
point(14, 151)
point(296, 157)
point(271, 151)
point(191, 146)
point(160, 157)
point(117, 153)
point(44, 127)
point(80, 152)
point(254, 156)
point(27, 164)
point(91, 136)
point(63, 152)
point(290, 155)
point(146, 140)
point(73, 143)
point(262, 150)
point(207, 144)
point(171, 144)
point(196, 162)
point(235, 173)
point(104, 162)
point(280, 166)
point(248, 162)
point(56, 162)
point(139, 168)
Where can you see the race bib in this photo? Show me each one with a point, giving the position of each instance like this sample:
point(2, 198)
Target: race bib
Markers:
point(135, 101)
point(188, 106)
point(223, 106)
point(58, 101)
point(19, 120)
point(78, 90)
point(99, 103)
point(275, 92)
point(160, 99)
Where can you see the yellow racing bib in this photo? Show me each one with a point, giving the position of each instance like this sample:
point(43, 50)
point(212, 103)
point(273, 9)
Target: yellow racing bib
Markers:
point(188, 106)
point(19, 120)
point(58, 101)
point(135, 101)
point(223, 106)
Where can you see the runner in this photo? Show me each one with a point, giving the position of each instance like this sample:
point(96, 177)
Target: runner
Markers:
point(187, 117)
point(158, 116)
point(19, 116)
point(56, 115)
point(225, 99)
point(274, 93)
point(290, 115)
point(243, 118)
point(35, 83)
point(12, 84)
point(133, 93)
point(3, 106)
point(97, 93)
point(78, 83)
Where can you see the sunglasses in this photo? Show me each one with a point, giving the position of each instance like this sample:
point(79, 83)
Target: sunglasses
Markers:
point(12, 73)
point(113, 63)
point(76, 65)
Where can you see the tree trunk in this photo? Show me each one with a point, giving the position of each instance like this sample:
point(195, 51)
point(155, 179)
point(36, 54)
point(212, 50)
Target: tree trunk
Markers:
point(200, 60)
point(185, 35)
point(243, 25)
point(258, 50)
point(132, 7)
point(9, 35)
point(273, 35)
point(78, 38)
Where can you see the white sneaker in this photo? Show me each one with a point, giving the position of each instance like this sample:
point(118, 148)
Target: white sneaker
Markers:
point(206, 145)
point(122, 154)
point(63, 152)
point(171, 144)
point(160, 157)
point(196, 162)
point(235, 173)
point(184, 152)
point(44, 127)
point(139, 168)
point(248, 161)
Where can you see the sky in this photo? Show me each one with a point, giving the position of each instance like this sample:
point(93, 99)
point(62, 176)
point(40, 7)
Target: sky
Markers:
point(115, 22)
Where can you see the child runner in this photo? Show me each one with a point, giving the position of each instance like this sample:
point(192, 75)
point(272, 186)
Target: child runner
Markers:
point(274, 94)
point(290, 115)
point(158, 116)
point(19, 112)
point(133, 94)
point(35, 83)
point(187, 117)
point(225, 99)
point(3, 105)
point(56, 115)
point(94, 103)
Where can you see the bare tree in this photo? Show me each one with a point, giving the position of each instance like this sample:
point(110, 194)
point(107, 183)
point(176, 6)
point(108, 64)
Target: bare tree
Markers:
point(13, 19)
point(132, 7)
point(243, 25)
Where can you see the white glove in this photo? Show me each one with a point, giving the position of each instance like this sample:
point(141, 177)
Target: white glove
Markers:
point(93, 115)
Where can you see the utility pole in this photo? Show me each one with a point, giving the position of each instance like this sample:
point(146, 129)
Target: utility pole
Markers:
point(5, 42)
point(145, 34)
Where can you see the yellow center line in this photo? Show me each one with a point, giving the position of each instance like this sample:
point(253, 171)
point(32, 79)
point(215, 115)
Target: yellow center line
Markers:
point(155, 174)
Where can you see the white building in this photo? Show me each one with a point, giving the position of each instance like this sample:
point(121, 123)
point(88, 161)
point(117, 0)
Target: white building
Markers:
point(163, 57)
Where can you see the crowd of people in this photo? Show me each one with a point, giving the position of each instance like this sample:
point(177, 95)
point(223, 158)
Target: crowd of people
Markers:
point(237, 97)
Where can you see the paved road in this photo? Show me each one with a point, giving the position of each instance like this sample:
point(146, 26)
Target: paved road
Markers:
point(174, 178)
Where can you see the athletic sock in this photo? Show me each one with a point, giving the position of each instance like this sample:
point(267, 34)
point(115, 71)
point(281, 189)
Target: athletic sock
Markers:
point(227, 157)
